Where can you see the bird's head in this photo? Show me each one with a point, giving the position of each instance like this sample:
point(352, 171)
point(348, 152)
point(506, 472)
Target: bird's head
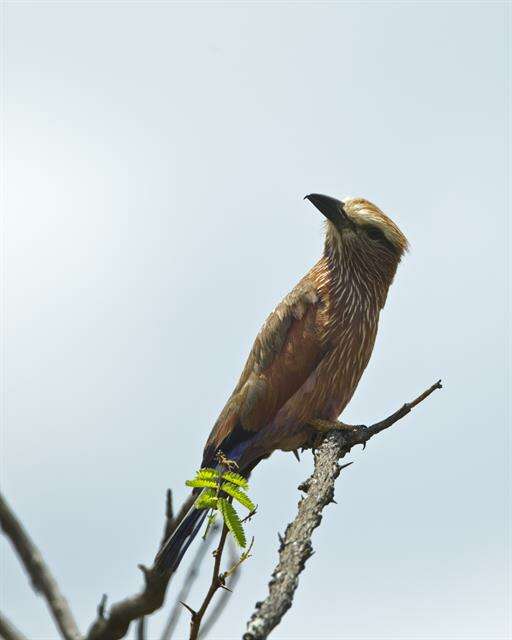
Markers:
point(357, 225)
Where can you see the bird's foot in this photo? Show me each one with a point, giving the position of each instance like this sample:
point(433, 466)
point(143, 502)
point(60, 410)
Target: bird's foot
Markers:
point(355, 430)
point(323, 426)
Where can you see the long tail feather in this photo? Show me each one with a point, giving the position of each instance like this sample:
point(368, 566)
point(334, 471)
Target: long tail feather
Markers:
point(171, 553)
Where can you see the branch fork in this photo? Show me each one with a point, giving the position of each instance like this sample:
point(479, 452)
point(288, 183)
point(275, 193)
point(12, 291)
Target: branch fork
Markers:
point(295, 547)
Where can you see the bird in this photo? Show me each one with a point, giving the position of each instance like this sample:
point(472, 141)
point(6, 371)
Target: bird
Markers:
point(310, 353)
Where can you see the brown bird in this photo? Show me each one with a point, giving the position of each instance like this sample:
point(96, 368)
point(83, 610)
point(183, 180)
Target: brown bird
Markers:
point(308, 358)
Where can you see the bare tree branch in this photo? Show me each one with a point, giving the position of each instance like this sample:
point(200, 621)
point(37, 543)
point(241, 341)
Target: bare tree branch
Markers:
point(222, 601)
point(114, 624)
point(296, 548)
point(218, 582)
point(8, 631)
point(169, 517)
point(40, 575)
point(168, 529)
point(172, 521)
point(294, 551)
point(107, 626)
point(140, 632)
point(188, 582)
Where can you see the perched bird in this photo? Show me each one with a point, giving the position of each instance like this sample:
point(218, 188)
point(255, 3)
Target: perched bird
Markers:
point(308, 358)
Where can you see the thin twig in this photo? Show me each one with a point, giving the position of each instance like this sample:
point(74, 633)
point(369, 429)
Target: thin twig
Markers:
point(171, 521)
point(140, 632)
point(8, 631)
point(40, 575)
point(169, 517)
point(222, 601)
point(170, 525)
point(114, 624)
point(218, 582)
point(188, 581)
point(238, 563)
point(295, 548)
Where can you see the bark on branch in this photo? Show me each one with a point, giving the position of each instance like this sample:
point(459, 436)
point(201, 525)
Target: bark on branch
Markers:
point(190, 577)
point(109, 625)
point(8, 631)
point(218, 582)
point(295, 547)
point(113, 625)
point(40, 574)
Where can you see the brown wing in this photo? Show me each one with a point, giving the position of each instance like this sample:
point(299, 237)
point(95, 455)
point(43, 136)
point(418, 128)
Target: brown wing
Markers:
point(287, 349)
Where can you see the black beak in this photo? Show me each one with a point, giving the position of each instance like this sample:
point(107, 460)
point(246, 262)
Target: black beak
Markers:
point(331, 208)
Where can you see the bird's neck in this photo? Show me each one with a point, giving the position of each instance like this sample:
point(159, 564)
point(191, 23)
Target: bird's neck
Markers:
point(356, 274)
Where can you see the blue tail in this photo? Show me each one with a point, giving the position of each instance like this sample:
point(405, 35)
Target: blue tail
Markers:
point(171, 553)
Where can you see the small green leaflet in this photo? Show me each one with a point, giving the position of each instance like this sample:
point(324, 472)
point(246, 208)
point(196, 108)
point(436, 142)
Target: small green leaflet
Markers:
point(207, 500)
point(235, 478)
point(232, 521)
point(215, 483)
point(207, 474)
point(239, 495)
point(201, 483)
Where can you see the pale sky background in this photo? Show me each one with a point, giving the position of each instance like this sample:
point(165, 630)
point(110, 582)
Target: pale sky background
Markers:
point(157, 155)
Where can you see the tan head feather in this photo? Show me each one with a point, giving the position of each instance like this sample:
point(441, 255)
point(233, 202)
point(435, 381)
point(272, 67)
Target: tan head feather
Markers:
point(365, 214)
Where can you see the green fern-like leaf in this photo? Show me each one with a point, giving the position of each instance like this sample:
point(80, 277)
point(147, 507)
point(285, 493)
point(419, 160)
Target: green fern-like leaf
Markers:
point(207, 474)
point(201, 483)
point(239, 495)
point(232, 521)
point(235, 478)
point(207, 500)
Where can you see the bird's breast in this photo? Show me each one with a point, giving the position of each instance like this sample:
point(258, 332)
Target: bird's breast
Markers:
point(328, 389)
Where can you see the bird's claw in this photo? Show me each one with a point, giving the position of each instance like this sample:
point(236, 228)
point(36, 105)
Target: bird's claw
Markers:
point(360, 432)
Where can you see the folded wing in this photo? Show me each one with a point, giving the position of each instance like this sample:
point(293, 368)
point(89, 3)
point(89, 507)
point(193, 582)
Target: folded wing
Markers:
point(286, 351)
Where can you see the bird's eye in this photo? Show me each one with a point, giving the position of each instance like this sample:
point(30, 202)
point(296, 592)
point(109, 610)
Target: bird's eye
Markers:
point(374, 233)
